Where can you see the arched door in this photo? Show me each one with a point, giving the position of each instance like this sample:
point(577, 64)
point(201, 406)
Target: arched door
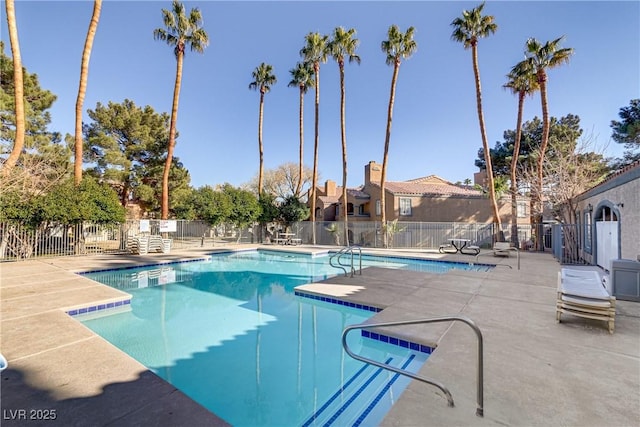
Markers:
point(606, 237)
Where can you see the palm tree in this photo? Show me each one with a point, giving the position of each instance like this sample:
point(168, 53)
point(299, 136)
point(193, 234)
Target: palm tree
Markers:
point(399, 46)
point(263, 79)
point(344, 44)
point(540, 57)
point(468, 30)
point(522, 81)
point(181, 30)
point(84, 73)
point(18, 83)
point(301, 77)
point(314, 52)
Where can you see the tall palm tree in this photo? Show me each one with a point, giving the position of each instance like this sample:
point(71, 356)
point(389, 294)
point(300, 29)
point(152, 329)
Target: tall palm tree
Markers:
point(468, 30)
point(18, 82)
point(82, 89)
point(343, 45)
point(521, 81)
point(315, 51)
point(301, 77)
point(541, 57)
point(263, 79)
point(181, 30)
point(398, 46)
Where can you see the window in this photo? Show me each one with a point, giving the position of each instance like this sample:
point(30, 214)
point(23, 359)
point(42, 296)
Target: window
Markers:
point(349, 208)
point(587, 231)
point(361, 210)
point(521, 209)
point(378, 208)
point(405, 206)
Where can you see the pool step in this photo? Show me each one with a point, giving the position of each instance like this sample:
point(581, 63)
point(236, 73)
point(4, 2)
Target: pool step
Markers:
point(366, 396)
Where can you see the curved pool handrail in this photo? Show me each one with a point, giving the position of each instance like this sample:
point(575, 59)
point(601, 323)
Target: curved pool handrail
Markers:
point(338, 255)
point(469, 322)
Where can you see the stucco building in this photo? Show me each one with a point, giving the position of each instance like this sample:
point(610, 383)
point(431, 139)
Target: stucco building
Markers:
point(608, 219)
point(425, 199)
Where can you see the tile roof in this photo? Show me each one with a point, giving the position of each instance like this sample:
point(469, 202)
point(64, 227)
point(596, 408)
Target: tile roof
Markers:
point(432, 185)
point(353, 192)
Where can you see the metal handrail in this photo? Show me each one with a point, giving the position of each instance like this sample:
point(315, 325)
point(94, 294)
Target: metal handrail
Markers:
point(338, 255)
point(471, 323)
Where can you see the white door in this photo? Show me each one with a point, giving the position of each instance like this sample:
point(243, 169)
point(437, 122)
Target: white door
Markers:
point(607, 242)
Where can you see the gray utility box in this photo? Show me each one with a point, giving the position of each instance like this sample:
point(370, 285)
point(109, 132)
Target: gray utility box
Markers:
point(625, 277)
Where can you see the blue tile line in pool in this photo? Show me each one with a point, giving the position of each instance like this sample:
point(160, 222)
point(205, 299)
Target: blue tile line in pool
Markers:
point(131, 267)
point(381, 394)
point(94, 308)
point(337, 301)
point(367, 334)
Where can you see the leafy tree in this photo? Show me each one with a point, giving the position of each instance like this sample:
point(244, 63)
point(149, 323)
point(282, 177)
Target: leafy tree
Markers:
point(343, 45)
point(44, 160)
point(627, 132)
point(122, 142)
point(150, 191)
point(89, 202)
point(210, 205)
point(468, 30)
point(522, 82)
point(245, 208)
point(542, 57)
point(82, 89)
point(293, 210)
point(563, 137)
point(268, 209)
point(263, 79)
point(302, 77)
point(181, 30)
point(18, 85)
point(398, 46)
point(314, 52)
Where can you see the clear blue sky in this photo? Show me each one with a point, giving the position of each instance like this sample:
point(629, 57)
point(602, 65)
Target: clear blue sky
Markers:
point(435, 127)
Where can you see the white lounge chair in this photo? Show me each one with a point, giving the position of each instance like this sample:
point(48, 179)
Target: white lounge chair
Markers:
point(503, 249)
point(582, 294)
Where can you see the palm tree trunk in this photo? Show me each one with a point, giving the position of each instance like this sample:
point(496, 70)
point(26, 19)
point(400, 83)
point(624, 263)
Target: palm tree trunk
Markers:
point(316, 68)
point(18, 82)
point(485, 143)
point(172, 137)
point(542, 80)
point(514, 167)
point(82, 89)
point(301, 161)
point(385, 158)
point(344, 154)
point(260, 170)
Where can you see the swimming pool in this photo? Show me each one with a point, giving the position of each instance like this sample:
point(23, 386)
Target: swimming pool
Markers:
point(230, 333)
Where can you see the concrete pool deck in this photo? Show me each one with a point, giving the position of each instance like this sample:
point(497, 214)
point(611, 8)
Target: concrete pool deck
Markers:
point(536, 371)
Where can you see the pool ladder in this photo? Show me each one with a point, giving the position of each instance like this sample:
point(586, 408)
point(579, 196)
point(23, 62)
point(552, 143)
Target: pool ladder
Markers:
point(469, 322)
point(344, 251)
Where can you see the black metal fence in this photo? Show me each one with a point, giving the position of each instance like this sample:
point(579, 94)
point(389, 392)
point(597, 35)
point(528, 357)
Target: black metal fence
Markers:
point(22, 242)
point(18, 241)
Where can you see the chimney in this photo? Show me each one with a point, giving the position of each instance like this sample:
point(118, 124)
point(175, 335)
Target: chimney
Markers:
point(372, 173)
point(330, 188)
point(480, 178)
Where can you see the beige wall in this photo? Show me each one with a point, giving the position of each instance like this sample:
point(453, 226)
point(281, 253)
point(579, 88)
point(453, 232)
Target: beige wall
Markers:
point(628, 217)
point(440, 209)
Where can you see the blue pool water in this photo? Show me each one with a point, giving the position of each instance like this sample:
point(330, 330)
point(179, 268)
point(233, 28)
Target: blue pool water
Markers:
point(230, 333)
